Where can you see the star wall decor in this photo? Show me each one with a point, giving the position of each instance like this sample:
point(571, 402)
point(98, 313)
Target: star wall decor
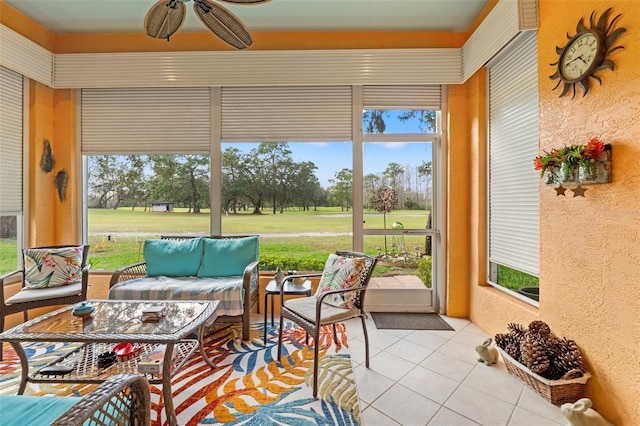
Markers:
point(560, 191)
point(579, 191)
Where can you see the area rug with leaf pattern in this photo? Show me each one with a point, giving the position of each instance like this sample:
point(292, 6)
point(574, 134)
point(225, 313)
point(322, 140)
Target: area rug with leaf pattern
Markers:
point(248, 386)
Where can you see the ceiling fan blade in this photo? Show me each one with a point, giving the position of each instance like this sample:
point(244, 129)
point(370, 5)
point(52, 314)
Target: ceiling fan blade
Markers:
point(165, 18)
point(245, 1)
point(223, 23)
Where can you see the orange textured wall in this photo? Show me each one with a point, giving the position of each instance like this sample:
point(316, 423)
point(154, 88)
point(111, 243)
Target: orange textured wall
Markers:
point(458, 217)
point(41, 227)
point(589, 247)
point(300, 40)
point(67, 220)
point(52, 116)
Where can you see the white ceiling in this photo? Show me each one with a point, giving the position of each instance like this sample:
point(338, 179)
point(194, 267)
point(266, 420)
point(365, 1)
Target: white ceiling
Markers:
point(127, 16)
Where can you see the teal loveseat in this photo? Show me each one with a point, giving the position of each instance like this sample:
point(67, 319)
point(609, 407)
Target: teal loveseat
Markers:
point(196, 268)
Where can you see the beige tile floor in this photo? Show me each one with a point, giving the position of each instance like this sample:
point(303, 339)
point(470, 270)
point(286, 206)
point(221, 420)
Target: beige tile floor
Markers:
point(432, 378)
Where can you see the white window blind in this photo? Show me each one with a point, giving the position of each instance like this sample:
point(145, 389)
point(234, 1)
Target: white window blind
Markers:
point(10, 143)
point(146, 121)
point(281, 114)
point(513, 144)
point(426, 97)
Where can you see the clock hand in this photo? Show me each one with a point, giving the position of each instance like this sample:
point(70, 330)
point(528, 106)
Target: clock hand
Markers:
point(575, 59)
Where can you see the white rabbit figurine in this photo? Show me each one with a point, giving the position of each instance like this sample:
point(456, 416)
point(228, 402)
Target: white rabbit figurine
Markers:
point(487, 354)
point(580, 413)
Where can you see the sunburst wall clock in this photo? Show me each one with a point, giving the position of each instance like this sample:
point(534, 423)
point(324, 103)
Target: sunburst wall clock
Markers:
point(586, 53)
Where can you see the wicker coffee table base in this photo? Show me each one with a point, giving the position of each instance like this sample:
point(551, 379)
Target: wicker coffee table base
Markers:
point(83, 360)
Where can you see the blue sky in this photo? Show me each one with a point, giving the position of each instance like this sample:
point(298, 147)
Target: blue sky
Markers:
point(331, 157)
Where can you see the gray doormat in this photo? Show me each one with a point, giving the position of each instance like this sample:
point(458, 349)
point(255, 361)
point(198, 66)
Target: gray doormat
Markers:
point(409, 321)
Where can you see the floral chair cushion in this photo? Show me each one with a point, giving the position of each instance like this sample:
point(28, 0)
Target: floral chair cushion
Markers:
point(341, 273)
point(53, 267)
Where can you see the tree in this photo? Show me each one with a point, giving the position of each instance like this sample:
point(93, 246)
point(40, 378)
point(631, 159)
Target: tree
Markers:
point(183, 179)
point(384, 200)
point(374, 119)
point(341, 189)
point(370, 183)
point(262, 167)
point(426, 119)
point(234, 178)
point(392, 172)
point(305, 184)
point(114, 179)
point(425, 169)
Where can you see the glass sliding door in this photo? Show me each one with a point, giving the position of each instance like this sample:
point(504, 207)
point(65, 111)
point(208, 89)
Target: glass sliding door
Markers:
point(398, 197)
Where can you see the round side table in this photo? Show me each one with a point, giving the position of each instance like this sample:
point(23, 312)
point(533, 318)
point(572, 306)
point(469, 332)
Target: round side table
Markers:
point(290, 289)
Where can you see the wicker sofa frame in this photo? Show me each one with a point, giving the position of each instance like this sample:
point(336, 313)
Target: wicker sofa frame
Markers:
point(250, 278)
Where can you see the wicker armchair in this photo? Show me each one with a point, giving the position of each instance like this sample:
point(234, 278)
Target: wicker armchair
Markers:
point(311, 313)
point(31, 298)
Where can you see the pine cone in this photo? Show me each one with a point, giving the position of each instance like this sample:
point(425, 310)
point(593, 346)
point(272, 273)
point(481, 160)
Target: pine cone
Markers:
point(502, 340)
point(513, 349)
point(516, 330)
point(540, 328)
point(534, 355)
point(510, 344)
point(568, 356)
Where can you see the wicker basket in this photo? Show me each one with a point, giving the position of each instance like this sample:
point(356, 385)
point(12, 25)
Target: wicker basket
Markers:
point(555, 391)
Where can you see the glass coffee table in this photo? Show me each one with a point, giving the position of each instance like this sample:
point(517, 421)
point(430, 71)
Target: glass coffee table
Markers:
point(117, 324)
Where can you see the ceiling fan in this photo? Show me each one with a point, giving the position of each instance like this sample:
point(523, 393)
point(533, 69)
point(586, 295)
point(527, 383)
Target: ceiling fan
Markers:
point(167, 16)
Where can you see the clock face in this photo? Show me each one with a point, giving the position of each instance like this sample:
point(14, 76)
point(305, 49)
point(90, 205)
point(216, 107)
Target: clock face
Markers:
point(579, 57)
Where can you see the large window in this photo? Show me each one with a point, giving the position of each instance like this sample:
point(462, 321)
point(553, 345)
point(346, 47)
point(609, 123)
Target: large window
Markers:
point(513, 183)
point(284, 163)
point(11, 113)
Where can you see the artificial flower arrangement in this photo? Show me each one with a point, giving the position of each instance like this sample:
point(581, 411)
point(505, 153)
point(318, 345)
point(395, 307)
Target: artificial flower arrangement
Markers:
point(589, 163)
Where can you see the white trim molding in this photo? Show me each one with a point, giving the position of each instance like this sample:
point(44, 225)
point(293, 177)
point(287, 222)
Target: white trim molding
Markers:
point(264, 68)
point(21, 55)
point(505, 21)
point(271, 68)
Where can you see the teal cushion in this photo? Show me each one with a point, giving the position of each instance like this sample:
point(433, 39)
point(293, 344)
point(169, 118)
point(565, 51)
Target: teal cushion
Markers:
point(226, 258)
point(20, 410)
point(173, 258)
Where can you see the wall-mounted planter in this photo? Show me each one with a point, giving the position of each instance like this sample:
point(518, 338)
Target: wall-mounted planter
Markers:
point(598, 171)
point(564, 174)
point(594, 173)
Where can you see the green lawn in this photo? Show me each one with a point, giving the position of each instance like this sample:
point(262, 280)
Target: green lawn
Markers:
point(513, 280)
point(294, 239)
point(325, 219)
